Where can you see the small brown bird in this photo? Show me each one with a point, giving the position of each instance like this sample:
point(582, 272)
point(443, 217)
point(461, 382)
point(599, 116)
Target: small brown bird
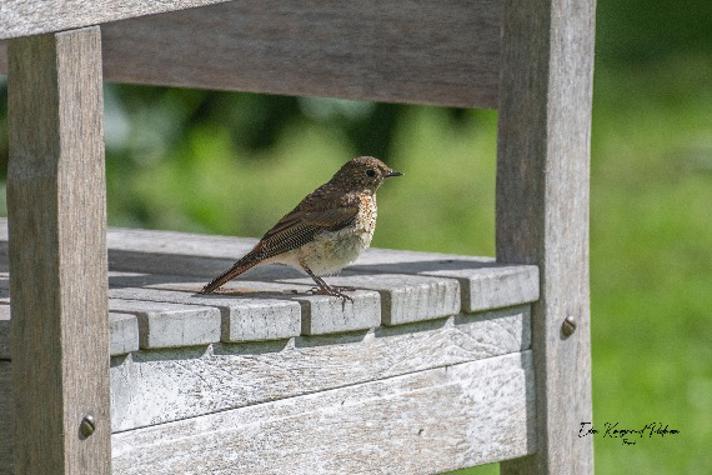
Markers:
point(326, 231)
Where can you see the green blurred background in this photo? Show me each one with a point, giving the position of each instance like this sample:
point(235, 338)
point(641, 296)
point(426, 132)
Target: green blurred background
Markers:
point(232, 163)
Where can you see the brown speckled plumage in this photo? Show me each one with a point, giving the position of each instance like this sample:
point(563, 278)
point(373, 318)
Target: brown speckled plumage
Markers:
point(326, 231)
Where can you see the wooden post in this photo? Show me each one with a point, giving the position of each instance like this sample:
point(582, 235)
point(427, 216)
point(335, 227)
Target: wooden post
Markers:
point(57, 246)
point(542, 211)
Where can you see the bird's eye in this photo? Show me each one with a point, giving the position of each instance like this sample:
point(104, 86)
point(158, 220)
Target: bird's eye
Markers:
point(370, 172)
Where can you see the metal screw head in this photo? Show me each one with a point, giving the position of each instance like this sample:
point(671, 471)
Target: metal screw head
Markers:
point(568, 327)
point(87, 426)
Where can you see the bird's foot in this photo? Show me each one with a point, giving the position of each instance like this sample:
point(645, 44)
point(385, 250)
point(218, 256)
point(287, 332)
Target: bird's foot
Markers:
point(333, 292)
point(344, 288)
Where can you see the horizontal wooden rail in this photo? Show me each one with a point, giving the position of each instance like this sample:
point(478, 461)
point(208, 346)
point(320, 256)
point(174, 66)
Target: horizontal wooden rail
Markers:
point(425, 422)
point(443, 53)
point(23, 18)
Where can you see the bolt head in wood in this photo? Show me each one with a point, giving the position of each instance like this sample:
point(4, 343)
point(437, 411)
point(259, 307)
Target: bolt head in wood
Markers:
point(568, 327)
point(87, 426)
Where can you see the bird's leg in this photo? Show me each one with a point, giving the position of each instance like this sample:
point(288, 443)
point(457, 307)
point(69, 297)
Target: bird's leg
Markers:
point(323, 288)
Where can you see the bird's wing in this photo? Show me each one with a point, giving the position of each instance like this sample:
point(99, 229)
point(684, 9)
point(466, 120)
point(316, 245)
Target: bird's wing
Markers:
point(329, 213)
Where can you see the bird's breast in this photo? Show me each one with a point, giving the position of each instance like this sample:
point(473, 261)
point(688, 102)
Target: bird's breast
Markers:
point(329, 252)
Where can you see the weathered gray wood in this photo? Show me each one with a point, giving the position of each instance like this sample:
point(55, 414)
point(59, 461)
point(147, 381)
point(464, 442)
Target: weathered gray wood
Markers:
point(27, 17)
point(243, 319)
point(485, 284)
point(321, 314)
point(425, 422)
point(4, 332)
point(174, 253)
point(123, 328)
point(403, 299)
point(7, 422)
point(164, 325)
point(57, 247)
point(123, 331)
point(186, 383)
point(542, 210)
point(495, 287)
point(444, 53)
point(264, 303)
point(406, 298)
point(418, 51)
point(250, 303)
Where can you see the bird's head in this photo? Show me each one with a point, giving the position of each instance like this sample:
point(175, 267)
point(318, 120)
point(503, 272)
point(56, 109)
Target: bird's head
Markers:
point(363, 174)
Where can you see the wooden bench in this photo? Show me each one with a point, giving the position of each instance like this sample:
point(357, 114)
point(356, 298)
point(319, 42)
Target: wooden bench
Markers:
point(440, 362)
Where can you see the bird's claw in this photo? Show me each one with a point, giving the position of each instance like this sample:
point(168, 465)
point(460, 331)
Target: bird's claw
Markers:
point(333, 292)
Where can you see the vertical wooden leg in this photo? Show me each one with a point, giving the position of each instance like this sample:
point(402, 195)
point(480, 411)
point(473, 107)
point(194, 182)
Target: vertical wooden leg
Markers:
point(542, 212)
point(57, 246)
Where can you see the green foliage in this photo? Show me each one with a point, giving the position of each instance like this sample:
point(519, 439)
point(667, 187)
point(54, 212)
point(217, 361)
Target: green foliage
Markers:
point(645, 31)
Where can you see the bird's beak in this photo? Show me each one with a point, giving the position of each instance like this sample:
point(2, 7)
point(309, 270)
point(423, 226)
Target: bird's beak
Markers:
point(393, 173)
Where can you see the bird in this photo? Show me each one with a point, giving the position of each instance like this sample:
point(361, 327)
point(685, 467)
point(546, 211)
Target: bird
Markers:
point(325, 232)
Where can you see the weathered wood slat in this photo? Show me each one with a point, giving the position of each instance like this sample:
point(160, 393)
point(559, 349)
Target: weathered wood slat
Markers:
point(24, 18)
point(123, 329)
point(402, 299)
point(57, 230)
point(418, 51)
point(495, 287)
point(240, 302)
point(243, 319)
point(425, 422)
point(180, 385)
point(444, 53)
point(272, 302)
point(4, 332)
point(484, 283)
point(542, 210)
point(168, 385)
point(186, 383)
point(171, 326)
point(406, 298)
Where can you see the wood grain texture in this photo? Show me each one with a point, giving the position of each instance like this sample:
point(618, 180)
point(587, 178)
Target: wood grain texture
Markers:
point(32, 17)
point(394, 51)
point(4, 332)
point(57, 247)
point(7, 421)
point(272, 303)
point(406, 298)
point(415, 51)
point(543, 210)
point(243, 319)
point(484, 284)
point(123, 331)
point(425, 422)
point(190, 382)
point(401, 299)
point(123, 328)
point(167, 385)
point(164, 325)
point(319, 314)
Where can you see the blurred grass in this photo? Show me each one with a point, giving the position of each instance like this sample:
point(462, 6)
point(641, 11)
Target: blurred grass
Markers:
point(651, 231)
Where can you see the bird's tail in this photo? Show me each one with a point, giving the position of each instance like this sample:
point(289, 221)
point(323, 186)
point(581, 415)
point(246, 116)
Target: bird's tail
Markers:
point(249, 261)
